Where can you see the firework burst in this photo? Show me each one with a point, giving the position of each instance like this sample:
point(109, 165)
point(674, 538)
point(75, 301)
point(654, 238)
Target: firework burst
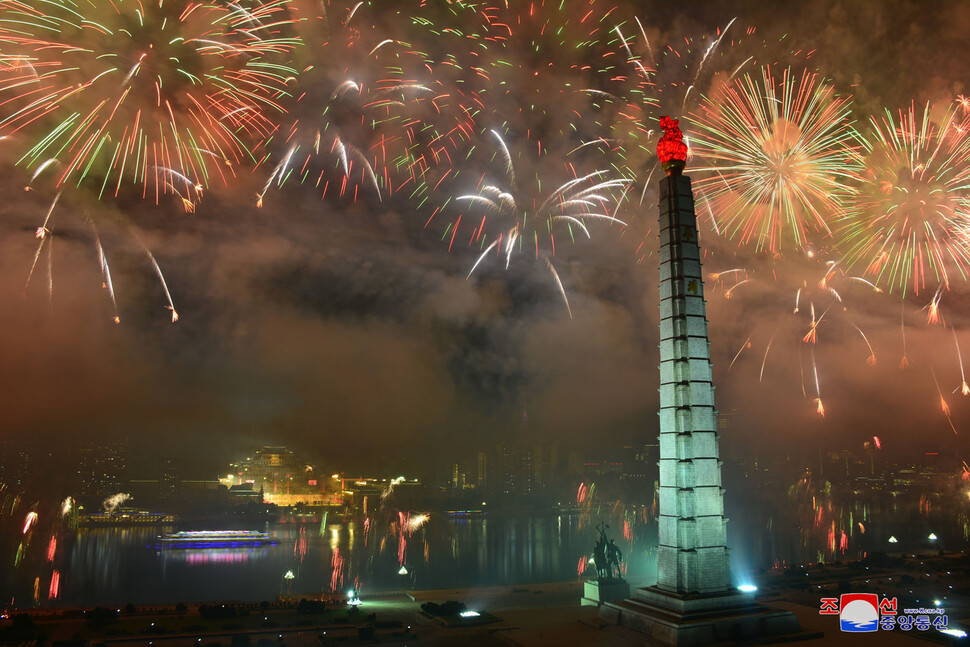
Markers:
point(547, 89)
point(337, 99)
point(567, 79)
point(167, 95)
point(906, 226)
point(777, 156)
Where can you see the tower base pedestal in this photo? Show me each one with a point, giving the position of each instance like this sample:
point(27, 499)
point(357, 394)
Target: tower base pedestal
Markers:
point(699, 619)
point(600, 591)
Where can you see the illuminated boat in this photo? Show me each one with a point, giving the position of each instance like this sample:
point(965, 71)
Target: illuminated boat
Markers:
point(214, 539)
point(125, 517)
point(466, 513)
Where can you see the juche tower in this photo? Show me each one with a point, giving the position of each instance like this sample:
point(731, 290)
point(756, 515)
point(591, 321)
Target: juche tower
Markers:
point(692, 551)
point(693, 602)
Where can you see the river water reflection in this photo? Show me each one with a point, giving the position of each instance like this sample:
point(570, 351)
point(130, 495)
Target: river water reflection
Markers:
point(393, 550)
point(120, 565)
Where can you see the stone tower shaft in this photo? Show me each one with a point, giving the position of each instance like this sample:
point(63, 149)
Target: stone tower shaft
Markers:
point(692, 552)
point(693, 603)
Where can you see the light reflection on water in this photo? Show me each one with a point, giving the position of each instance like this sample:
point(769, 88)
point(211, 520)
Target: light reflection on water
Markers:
point(120, 565)
point(114, 566)
point(214, 555)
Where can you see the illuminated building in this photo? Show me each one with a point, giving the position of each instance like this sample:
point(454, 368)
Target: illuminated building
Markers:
point(274, 469)
point(102, 468)
point(514, 468)
point(363, 492)
point(482, 470)
point(545, 457)
point(457, 477)
point(14, 463)
point(28, 464)
point(170, 483)
point(283, 478)
point(244, 494)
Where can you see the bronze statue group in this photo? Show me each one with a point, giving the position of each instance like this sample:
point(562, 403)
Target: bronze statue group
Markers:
point(606, 555)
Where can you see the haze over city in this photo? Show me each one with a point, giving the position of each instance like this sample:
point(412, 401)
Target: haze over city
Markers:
point(336, 324)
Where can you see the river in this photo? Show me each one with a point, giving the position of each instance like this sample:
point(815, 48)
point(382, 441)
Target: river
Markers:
point(115, 566)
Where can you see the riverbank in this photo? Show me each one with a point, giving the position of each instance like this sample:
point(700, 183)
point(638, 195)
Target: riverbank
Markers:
point(545, 615)
point(536, 615)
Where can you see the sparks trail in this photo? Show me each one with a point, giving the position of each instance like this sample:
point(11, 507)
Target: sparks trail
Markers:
point(964, 388)
point(277, 175)
point(818, 392)
point(745, 345)
point(42, 233)
point(933, 315)
point(105, 273)
point(871, 360)
point(820, 293)
point(512, 223)
point(45, 235)
point(562, 290)
point(904, 362)
point(700, 66)
point(943, 405)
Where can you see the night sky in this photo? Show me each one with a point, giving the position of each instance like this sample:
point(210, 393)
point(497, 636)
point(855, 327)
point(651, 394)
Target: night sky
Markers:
point(347, 329)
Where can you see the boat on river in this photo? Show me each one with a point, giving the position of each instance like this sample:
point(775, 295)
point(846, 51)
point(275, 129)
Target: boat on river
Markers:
point(125, 517)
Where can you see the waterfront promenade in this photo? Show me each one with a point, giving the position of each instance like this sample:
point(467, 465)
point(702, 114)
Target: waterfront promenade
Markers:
point(546, 615)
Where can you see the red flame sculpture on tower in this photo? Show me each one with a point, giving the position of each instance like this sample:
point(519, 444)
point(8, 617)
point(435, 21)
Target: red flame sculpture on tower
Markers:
point(671, 148)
